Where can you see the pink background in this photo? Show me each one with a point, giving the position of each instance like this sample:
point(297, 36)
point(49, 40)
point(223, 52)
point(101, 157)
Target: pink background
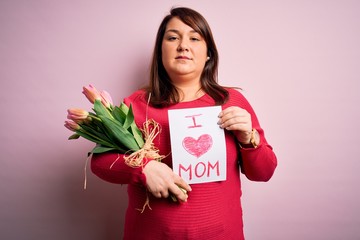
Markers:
point(297, 61)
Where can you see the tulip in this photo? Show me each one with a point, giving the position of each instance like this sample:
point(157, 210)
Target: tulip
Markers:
point(71, 125)
point(91, 93)
point(106, 99)
point(77, 114)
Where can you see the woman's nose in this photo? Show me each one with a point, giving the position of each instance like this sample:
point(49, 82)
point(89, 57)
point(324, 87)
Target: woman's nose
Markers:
point(183, 46)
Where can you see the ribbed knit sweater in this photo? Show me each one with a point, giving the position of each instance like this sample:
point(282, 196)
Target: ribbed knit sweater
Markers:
point(213, 210)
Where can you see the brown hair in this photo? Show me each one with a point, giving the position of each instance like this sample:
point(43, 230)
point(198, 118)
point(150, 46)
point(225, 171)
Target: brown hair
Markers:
point(163, 92)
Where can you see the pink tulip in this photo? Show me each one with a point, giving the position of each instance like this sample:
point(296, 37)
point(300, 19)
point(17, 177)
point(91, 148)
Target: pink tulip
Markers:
point(106, 99)
point(71, 125)
point(77, 115)
point(91, 93)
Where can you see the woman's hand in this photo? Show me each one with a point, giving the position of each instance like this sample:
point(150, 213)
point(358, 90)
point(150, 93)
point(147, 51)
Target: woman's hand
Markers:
point(160, 180)
point(238, 120)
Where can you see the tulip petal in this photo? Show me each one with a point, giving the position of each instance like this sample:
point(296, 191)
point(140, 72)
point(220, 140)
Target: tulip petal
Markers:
point(106, 99)
point(77, 114)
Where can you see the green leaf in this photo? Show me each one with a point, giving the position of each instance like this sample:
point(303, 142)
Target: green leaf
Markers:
point(137, 135)
point(74, 136)
point(95, 139)
point(102, 143)
point(102, 149)
point(119, 115)
point(130, 122)
point(119, 133)
point(96, 124)
point(129, 118)
point(101, 110)
point(98, 132)
point(92, 138)
point(124, 108)
point(97, 128)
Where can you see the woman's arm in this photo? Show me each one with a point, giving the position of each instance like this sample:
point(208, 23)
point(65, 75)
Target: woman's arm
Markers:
point(258, 164)
point(155, 176)
point(258, 161)
point(111, 167)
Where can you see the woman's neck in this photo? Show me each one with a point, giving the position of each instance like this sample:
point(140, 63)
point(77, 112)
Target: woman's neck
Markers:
point(190, 93)
point(189, 88)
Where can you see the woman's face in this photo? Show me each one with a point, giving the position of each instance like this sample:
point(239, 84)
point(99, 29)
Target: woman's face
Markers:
point(184, 51)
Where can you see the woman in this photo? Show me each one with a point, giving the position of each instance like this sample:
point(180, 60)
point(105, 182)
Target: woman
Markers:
point(184, 75)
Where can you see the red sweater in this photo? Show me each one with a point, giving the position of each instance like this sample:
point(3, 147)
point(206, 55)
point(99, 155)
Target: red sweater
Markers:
point(213, 210)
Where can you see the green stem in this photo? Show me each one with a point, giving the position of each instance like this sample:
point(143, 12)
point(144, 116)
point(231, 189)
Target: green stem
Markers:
point(96, 138)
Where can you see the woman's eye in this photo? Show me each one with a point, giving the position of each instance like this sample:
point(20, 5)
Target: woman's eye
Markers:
point(195, 39)
point(172, 38)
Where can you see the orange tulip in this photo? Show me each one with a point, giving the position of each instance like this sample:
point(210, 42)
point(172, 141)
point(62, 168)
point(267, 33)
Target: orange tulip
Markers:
point(91, 93)
point(71, 125)
point(77, 114)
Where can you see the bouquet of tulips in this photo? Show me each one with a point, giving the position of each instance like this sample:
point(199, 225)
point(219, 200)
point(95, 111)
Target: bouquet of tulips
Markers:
point(113, 128)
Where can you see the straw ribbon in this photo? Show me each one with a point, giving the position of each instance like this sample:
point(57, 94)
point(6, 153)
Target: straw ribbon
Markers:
point(150, 130)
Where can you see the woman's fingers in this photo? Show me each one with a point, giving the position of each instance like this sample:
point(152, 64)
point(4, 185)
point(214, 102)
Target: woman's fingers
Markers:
point(180, 188)
point(235, 118)
point(162, 181)
point(179, 193)
point(181, 183)
point(238, 120)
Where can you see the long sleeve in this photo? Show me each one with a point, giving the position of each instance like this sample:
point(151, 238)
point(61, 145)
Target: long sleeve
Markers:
point(112, 168)
point(257, 164)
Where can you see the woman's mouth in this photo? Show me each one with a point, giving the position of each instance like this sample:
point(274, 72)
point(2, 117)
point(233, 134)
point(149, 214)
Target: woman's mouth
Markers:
point(183, 57)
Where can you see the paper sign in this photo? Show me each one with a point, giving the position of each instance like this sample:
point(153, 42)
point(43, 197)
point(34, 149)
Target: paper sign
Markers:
point(197, 144)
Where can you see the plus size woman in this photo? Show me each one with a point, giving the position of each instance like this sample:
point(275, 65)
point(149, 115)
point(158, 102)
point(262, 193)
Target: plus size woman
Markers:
point(183, 75)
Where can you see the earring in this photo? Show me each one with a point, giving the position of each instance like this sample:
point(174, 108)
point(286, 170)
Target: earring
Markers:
point(208, 58)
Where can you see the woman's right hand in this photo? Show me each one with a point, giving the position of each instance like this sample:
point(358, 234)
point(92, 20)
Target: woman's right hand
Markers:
point(160, 180)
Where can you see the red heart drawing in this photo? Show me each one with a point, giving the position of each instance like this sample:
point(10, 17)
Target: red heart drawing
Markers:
point(197, 147)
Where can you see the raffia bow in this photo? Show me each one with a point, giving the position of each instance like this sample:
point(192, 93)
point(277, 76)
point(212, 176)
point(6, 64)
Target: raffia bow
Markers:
point(150, 130)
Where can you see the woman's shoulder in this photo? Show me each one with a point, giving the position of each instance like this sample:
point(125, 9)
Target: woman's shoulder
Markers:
point(138, 95)
point(234, 92)
point(236, 97)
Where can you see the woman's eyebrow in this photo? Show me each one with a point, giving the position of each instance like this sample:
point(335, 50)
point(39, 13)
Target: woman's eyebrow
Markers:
point(177, 31)
point(172, 30)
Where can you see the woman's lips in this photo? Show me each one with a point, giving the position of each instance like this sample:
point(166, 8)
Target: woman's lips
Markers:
point(183, 57)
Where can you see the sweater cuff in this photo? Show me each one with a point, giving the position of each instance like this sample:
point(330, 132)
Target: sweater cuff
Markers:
point(143, 176)
point(249, 149)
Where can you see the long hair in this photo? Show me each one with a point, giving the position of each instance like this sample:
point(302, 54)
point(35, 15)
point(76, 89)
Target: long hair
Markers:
point(161, 88)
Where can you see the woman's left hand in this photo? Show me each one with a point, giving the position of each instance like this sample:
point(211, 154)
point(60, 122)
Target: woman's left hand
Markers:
point(238, 120)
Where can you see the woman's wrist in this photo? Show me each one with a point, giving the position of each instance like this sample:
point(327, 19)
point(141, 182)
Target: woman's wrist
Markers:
point(253, 141)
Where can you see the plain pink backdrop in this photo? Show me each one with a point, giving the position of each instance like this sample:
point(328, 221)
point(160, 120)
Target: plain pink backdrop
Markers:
point(297, 61)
